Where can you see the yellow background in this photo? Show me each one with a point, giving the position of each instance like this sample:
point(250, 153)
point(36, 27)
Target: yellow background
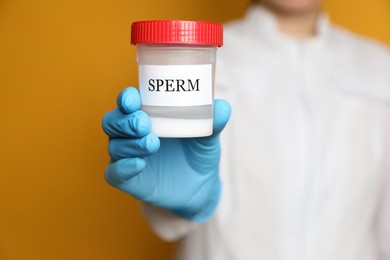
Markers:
point(62, 64)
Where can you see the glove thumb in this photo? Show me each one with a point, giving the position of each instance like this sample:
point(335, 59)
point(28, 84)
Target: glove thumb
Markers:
point(222, 112)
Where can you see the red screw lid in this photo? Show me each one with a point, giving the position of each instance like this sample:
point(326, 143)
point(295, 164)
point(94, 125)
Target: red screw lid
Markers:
point(177, 32)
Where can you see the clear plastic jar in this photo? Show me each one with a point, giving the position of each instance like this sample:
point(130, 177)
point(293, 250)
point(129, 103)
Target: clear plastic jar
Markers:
point(176, 61)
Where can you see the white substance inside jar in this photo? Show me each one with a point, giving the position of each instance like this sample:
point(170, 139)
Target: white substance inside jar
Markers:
point(173, 127)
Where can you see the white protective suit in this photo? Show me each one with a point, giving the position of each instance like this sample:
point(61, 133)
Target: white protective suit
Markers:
point(306, 156)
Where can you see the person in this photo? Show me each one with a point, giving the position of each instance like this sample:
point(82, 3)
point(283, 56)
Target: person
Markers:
point(302, 169)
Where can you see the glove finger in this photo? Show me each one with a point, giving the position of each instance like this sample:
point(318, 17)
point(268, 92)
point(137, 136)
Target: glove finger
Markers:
point(117, 124)
point(222, 112)
point(129, 100)
point(127, 148)
point(119, 172)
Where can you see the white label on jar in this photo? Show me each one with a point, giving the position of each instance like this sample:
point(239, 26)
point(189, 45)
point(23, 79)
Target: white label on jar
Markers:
point(176, 85)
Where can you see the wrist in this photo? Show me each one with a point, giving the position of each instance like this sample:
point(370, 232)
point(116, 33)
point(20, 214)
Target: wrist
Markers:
point(207, 209)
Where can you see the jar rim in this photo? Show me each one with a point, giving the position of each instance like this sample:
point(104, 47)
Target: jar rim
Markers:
point(177, 32)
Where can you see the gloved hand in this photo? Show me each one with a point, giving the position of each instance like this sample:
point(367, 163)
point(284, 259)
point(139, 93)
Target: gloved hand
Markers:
point(180, 175)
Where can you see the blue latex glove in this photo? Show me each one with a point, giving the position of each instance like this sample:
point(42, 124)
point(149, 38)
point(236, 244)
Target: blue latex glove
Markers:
point(178, 174)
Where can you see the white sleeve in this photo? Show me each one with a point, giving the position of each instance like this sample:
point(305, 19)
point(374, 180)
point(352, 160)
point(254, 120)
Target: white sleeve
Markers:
point(167, 225)
point(383, 225)
point(383, 220)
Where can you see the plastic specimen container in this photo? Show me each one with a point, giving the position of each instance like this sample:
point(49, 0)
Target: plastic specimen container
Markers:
point(176, 69)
